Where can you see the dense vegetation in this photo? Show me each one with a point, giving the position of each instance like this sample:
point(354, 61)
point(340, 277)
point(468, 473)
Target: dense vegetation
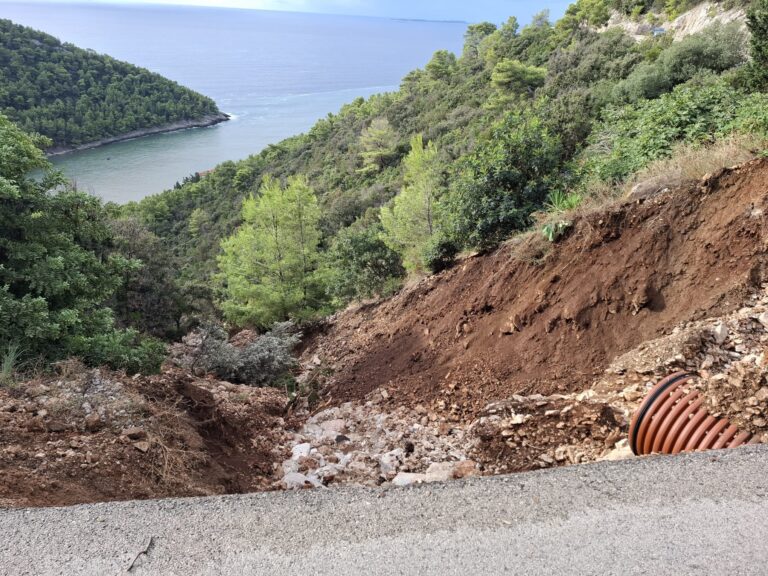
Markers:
point(459, 158)
point(470, 151)
point(57, 267)
point(75, 96)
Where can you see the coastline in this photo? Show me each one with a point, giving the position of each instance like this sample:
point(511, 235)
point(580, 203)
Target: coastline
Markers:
point(204, 122)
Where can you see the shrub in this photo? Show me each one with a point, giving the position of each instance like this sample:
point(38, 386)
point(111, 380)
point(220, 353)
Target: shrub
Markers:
point(698, 113)
point(264, 362)
point(360, 264)
point(121, 350)
point(440, 254)
point(716, 49)
point(504, 181)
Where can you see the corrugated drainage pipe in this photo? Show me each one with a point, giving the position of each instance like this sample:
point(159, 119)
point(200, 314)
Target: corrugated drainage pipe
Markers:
point(673, 419)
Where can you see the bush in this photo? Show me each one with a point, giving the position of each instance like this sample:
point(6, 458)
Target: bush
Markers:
point(504, 181)
point(360, 264)
point(698, 112)
point(440, 254)
point(717, 49)
point(264, 362)
point(121, 350)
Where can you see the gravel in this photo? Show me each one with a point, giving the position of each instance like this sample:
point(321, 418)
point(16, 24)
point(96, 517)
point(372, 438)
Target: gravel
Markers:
point(702, 513)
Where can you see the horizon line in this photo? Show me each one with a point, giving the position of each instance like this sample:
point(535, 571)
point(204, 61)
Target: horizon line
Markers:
point(134, 4)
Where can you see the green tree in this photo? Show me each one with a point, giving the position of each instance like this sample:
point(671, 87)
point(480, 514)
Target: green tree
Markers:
point(56, 266)
point(379, 145)
point(757, 18)
point(149, 297)
point(268, 267)
point(412, 219)
point(504, 180)
point(361, 264)
point(474, 37)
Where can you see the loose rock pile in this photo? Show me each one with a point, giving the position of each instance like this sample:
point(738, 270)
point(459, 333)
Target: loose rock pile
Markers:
point(372, 444)
point(363, 444)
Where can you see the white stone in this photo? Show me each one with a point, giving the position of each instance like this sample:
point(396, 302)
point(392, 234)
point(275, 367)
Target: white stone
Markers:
point(391, 461)
point(763, 319)
point(720, 332)
point(336, 426)
point(290, 466)
point(296, 481)
point(440, 472)
point(408, 478)
point(301, 450)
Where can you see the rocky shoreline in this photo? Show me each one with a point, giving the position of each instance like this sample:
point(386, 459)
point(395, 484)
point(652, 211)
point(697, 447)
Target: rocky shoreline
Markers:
point(204, 122)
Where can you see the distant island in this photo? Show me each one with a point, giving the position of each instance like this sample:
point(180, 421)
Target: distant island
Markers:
point(81, 99)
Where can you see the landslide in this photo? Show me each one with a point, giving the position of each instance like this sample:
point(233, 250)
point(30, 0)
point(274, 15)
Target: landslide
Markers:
point(505, 323)
point(94, 435)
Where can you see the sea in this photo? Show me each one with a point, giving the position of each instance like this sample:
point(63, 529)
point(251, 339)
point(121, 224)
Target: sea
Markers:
point(275, 73)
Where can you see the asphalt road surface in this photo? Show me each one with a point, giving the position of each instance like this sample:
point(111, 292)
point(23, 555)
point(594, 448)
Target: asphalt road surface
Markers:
point(704, 513)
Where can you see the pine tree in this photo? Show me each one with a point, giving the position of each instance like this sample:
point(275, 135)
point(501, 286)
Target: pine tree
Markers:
point(412, 219)
point(268, 266)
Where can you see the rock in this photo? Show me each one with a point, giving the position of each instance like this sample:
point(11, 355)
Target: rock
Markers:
point(720, 333)
point(763, 319)
point(621, 451)
point(93, 422)
point(316, 360)
point(134, 433)
point(337, 426)
point(547, 459)
point(289, 466)
point(340, 439)
point(408, 478)
point(464, 469)
point(296, 481)
point(301, 450)
point(439, 472)
point(762, 394)
point(56, 426)
point(391, 461)
point(384, 394)
point(142, 446)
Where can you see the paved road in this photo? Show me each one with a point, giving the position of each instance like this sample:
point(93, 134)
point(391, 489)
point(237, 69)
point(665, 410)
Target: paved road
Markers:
point(697, 514)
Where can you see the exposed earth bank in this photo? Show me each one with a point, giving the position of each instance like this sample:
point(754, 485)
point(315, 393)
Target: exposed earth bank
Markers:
point(533, 356)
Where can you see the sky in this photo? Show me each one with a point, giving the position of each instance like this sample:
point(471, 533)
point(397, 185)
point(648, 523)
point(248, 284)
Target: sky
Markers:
point(464, 10)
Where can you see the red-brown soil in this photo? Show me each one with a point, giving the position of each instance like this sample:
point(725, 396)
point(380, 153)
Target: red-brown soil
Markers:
point(166, 435)
point(498, 325)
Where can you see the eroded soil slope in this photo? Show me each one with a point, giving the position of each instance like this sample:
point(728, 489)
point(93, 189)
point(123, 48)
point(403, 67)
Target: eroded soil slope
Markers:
point(497, 325)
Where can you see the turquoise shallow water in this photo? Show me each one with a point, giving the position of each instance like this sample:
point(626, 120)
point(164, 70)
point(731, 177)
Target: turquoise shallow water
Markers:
point(276, 73)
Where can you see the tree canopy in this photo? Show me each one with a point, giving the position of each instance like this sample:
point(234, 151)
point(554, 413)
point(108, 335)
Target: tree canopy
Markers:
point(56, 269)
point(75, 96)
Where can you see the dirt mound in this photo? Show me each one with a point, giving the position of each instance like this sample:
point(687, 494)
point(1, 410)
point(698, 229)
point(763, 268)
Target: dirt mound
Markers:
point(94, 436)
point(496, 326)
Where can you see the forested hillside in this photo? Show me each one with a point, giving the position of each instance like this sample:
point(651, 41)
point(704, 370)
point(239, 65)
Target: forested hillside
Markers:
point(464, 155)
point(524, 127)
point(75, 96)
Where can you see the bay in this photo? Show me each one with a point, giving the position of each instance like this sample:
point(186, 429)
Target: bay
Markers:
point(276, 73)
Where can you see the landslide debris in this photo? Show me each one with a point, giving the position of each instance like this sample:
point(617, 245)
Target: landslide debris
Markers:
point(94, 435)
point(500, 365)
point(499, 325)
